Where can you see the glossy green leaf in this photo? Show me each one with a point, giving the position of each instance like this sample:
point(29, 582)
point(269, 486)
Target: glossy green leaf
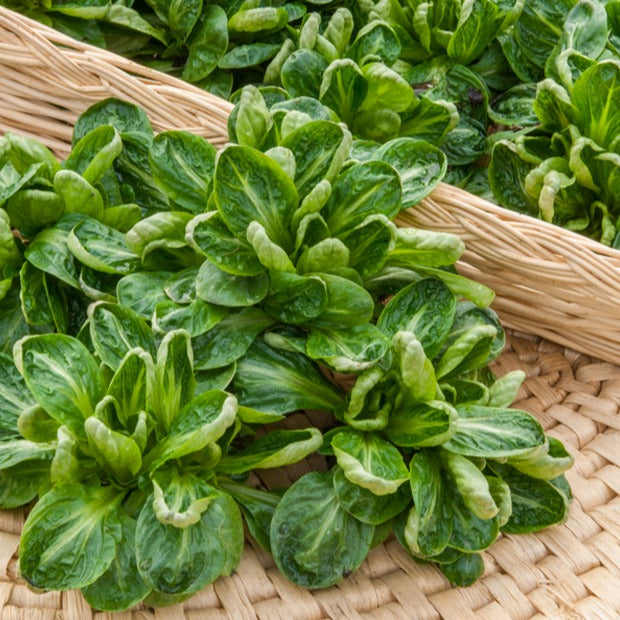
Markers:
point(275, 449)
point(426, 309)
point(95, 153)
point(202, 421)
point(207, 44)
point(361, 190)
point(248, 187)
point(188, 557)
point(229, 339)
point(101, 248)
point(69, 539)
point(420, 425)
point(347, 350)
point(174, 377)
point(115, 330)
point(121, 586)
point(314, 541)
point(62, 376)
point(277, 381)
point(142, 291)
point(218, 287)
point(429, 523)
point(369, 461)
point(183, 165)
point(492, 432)
point(365, 505)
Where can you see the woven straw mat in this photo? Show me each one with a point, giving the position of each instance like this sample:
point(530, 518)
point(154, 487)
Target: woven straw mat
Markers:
point(569, 572)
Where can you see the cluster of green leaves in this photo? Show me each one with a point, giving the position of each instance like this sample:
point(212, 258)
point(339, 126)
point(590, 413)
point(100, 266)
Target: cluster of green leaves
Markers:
point(205, 42)
point(123, 447)
point(566, 168)
point(165, 304)
point(427, 447)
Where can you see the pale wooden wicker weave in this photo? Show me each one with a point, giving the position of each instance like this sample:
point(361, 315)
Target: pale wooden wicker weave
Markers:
point(571, 571)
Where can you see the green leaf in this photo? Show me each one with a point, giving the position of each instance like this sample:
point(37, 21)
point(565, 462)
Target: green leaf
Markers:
point(69, 539)
point(429, 523)
point(277, 381)
point(128, 385)
point(122, 115)
point(347, 350)
point(32, 209)
point(94, 154)
point(115, 330)
point(248, 55)
point(421, 424)
point(369, 461)
point(547, 462)
point(275, 449)
point(14, 397)
point(295, 299)
point(121, 586)
point(536, 504)
point(253, 120)
point(207, 44)
point(196, 318)
point(416, 370)
point(315, 542)
point(375, 39)
point(114, 451)
point(492, 432)
point(420, 165)
point(78, 194)
point(319, 148)
point(219, 287)
point(49, 252)
point(471, 484)
point(302, 73)
point(426, 309)
point(249, 186)
point(365, 505)
point(174, 377)
point(62, 376)
point(229, 339)
point(362, 190)
point(469, 532)
point(183, 165)
point(423, 247)
point(270, 255)
point(369, 244)
point(179, 287)
point(348, 303)
point(595, 95)
point(208, 234)
point(142, 291)
point(15, 451)
point(257, 506)
point(21, 484)
point(101, 248)
point(343, 88)
point(25, 152)
point(464, 571)
point(202, 421)
point(187, 558)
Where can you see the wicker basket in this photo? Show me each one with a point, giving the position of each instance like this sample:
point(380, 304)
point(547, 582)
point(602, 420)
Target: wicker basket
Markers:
point(570, 571)
point(548, 281)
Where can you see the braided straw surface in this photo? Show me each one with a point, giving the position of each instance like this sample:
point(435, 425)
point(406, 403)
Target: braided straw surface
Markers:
point(571, 571)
